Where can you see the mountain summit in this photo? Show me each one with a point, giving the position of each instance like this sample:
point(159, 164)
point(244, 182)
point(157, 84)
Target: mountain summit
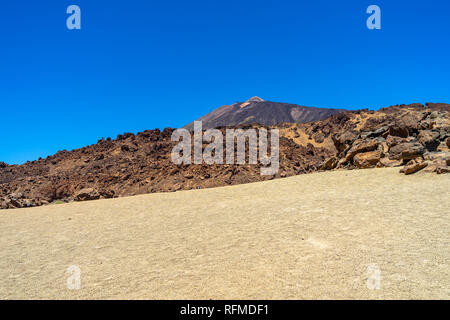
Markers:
point(256, 110)
point(254, 99)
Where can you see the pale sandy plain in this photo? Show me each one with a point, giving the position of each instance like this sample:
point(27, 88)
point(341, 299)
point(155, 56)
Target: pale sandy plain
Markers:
point(304, 237)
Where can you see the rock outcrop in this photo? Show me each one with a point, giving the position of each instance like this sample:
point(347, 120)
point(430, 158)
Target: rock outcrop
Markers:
point(413, 136)
point(135, 164)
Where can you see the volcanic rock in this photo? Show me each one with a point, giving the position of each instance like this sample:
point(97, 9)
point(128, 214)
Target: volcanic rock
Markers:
point(344, 140)
point(256, 110)
point(86, 194)
point(367, 159)
point(360, 146)
point(406, 151)
point(141, 163)
point(393, 140)
point(413, 166)
point(429, 139)
point(376, 133)
point(443, 169)
point(329, 164)
point(386, 162)
point(399, 131)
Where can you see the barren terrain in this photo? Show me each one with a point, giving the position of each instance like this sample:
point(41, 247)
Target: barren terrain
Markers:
point(307, 236)
point(415, 136)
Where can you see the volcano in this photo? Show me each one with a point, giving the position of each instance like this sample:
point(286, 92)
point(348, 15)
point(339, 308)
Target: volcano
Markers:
point(257, 111)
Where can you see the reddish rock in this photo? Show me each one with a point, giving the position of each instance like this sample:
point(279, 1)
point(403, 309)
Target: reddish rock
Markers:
point(443, 169)
point(107, 193)
point(86, 194)
point(393, 140)
point(361, 146)
point(438, 106)
point(414, 165)
point(429, 139)
point(329, 164)
point(383, 147)
point(367, 159)
point(406, 151)
point(399, 131)
point(136, 164)
point(344, 140)
point(440, 156)
point(386, 162)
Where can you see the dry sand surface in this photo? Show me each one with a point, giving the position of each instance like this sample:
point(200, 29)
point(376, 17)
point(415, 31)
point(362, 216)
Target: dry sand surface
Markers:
point(308, 236)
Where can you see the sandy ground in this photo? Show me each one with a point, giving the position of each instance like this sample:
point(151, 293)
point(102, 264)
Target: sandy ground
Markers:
point(309, 236)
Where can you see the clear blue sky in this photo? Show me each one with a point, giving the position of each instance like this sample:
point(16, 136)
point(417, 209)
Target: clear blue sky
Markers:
point(139, 65)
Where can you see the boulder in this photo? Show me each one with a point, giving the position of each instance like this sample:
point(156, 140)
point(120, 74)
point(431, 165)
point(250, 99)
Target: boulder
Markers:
point(3, 204)
point(16, 200)
point(398, 131)
point(437, 160)
point(414, 165)
point(393, 140)
point(28, 203)
point(344, 140)
point(106, 193)
point(408, 123)
point(443, 169)
point(128, 148)
point(383, 147)
point(437, 106)
point(15, 203)
point(367, 159)
point(444, 131)
point(86, 194)
point(375, 133)
point(431, 166)
point(329, 164)
point(386, 162)
point(429, 139)
point(434, 115)
point(443, 147)
point(427, 124)
point(342, 163)
point(433, 156)
point(361, 146)
point(406, 151)
point(319, 137)
point(16, 195)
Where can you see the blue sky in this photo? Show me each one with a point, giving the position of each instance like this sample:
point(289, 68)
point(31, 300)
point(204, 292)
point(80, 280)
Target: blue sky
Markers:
point(139, 65)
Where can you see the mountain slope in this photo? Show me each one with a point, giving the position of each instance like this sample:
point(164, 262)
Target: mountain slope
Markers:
point(256, 110)
point(413, 135)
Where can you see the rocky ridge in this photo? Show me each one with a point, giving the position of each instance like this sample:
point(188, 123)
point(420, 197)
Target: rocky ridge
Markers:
point(413, 137)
